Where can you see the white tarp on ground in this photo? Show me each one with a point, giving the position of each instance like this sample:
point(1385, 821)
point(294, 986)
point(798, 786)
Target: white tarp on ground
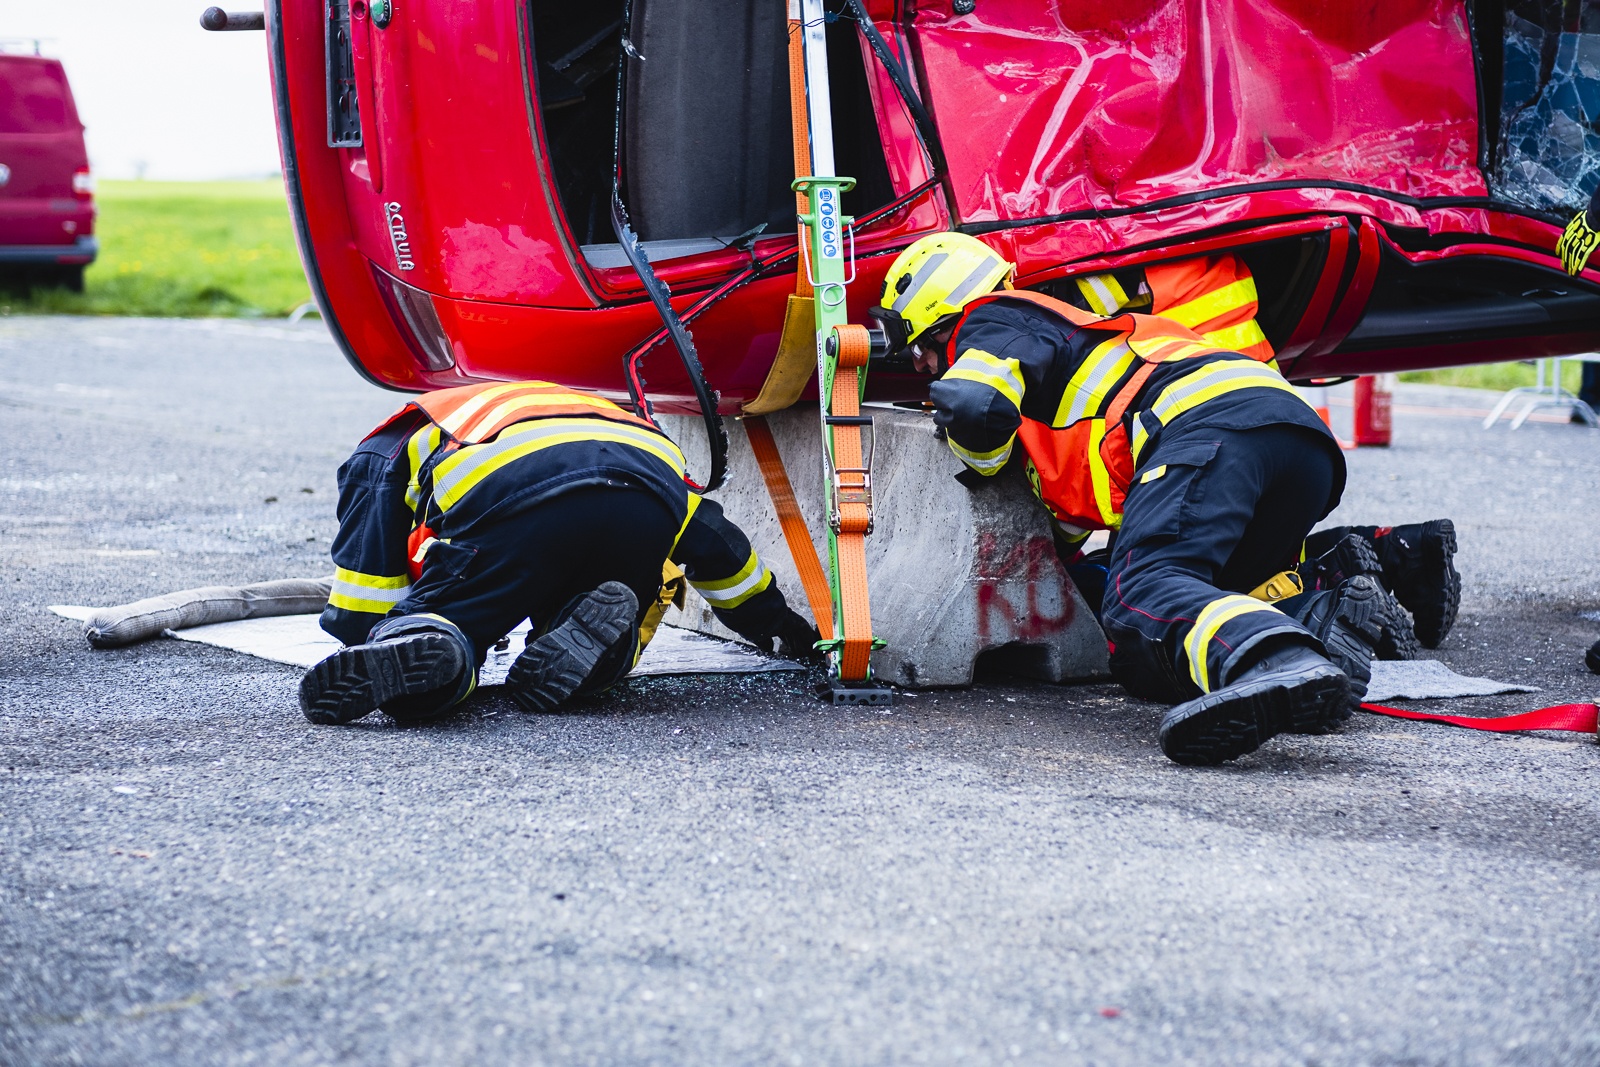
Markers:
point(298, 640)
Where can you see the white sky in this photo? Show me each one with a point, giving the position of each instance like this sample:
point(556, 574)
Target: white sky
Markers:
point(155, 90)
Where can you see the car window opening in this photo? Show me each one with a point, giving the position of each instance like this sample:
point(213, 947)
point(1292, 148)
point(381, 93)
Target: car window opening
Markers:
point(707, 157)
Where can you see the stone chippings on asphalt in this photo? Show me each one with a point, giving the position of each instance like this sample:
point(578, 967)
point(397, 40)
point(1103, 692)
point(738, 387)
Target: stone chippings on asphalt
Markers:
point(700, 870)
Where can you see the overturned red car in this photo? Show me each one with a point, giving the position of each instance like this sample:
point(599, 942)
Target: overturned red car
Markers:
point(1395, 175)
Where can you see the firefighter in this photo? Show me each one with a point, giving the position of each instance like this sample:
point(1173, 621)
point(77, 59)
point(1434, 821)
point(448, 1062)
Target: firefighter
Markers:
point(1207, 463)
point(1215, 295)
point(474, 508)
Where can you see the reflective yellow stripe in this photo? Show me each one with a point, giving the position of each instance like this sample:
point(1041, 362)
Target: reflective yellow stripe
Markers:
point(372, 594)
point(1212, 619)
point(1211, 381)
point(1072, 536)
point(728, 593)
point(371, 581)
point(460, 472)
point(1235, 338)
point(419, 449)
point(458, 418)
point(1086, 390)
point(1103, 292)
point(532, 402)
point(1100, 476)
point(1214, 304)
point(984, 463)
point(1141, 437)
point(1152, 474)
point(694, 506)
point(1002, 375)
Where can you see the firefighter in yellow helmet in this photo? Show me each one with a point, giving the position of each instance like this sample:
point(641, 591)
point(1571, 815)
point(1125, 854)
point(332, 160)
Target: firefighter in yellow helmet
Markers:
point(1215, 296)
point(1208, 465)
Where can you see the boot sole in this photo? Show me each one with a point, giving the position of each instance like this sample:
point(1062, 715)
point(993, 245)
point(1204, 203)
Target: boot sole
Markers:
point(1399, 638)
point(1235, 720)
point(1356, 630)
point(552, 668)
point(1435, 609)
point(352, 682)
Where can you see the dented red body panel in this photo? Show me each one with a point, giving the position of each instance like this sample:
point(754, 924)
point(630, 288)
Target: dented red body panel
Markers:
point(1337, 144)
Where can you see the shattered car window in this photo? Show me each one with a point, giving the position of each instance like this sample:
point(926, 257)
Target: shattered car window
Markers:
point(1548, 153)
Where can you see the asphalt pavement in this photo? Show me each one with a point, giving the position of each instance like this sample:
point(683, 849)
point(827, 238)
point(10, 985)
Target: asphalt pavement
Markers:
point(722, 870)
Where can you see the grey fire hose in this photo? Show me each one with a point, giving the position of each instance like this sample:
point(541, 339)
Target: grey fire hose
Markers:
point(144, 619)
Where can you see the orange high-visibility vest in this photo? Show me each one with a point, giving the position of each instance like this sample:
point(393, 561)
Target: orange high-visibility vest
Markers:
point(1082, 471)
point(474, 414)
point(1215, 296)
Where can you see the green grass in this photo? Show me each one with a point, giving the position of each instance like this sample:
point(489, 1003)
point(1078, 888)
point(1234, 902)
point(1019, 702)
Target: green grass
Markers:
point(1497, 376)
point(185, 249)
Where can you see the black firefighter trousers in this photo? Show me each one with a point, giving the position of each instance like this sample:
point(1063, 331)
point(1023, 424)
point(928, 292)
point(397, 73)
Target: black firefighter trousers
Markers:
point(529, 565)
point(1212, 513)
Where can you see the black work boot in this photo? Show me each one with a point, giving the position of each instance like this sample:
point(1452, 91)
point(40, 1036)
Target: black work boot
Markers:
point(352, 682)
point(557, 664)
point(1591, 658)
point(1290, 689)
point(1345, 620)
point(1354, 555)
point(1419, 566)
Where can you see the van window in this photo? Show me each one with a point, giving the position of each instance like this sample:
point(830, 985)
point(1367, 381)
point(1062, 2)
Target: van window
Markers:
point(33, 98)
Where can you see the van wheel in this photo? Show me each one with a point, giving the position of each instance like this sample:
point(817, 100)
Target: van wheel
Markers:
point(70, 278)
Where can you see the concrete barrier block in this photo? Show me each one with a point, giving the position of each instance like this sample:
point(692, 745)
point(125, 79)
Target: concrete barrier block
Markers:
point(955, 574)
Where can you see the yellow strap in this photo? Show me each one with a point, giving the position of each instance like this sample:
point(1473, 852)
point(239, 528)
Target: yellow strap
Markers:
point(1280, 586)
point(673, 585)
point(796, 361)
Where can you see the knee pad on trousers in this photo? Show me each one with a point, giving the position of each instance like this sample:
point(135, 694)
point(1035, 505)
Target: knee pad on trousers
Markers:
point(420, 707)
point(1145, 670)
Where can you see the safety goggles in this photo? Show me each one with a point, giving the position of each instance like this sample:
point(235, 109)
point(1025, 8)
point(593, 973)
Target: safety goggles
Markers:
point(896, 330)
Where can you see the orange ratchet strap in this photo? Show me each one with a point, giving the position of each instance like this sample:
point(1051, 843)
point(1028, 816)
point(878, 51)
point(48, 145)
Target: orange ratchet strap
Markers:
point(812, 577)
point(852, 490)
point(799, 131)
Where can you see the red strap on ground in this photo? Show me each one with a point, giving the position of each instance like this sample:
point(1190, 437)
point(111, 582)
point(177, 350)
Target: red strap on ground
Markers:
point(1579, 718)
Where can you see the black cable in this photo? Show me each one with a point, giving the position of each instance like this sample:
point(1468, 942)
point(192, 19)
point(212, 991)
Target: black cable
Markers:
point(661, 297)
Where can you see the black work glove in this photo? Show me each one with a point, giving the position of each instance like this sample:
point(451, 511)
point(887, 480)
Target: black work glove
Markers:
point(795, 638)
